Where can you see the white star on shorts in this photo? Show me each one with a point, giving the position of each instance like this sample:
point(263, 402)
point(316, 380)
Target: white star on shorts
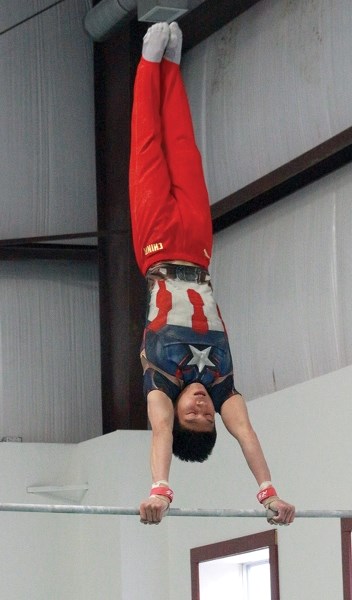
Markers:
point(200, 358)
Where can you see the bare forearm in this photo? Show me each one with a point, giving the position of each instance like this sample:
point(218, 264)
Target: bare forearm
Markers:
point(161, 417)
point(235, 417)
point(153, 509)
point(254, 456)
point(161, 454)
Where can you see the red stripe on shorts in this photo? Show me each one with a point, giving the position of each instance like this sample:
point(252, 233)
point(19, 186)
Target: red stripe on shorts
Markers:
point(199, 320)
point(163, 302)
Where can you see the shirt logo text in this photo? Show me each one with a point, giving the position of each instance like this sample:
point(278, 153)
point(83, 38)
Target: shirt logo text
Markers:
point(153, 248)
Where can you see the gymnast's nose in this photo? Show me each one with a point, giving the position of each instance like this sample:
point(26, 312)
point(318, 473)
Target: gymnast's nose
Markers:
point(200, 400)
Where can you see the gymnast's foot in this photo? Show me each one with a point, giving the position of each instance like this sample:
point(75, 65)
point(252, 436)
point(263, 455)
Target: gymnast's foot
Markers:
point(174, 46)
point(155, 42)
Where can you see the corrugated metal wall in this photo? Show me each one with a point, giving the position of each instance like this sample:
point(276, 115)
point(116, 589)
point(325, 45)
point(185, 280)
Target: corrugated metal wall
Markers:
point(269, 86)
point(50, 350)
point(283, 279)
point(47, 166)
point(263, 90)
point(49, 314)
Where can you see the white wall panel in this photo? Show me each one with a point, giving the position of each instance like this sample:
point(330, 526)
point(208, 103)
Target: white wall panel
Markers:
point(305, 433)
point(39, 543)
point(269, 86)
point(283, 279)
point(72, 557)
point(50, 351)
point(47, 166)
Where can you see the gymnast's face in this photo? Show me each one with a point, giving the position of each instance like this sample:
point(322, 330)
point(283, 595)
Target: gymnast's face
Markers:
point(195, 409)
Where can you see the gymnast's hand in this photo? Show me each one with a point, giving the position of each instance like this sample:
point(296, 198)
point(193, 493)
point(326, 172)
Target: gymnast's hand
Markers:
point(279, 512)
point(153, 509)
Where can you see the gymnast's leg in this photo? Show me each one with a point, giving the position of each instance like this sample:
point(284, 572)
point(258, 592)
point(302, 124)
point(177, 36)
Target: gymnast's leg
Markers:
point(183, 157)
point(149, 175)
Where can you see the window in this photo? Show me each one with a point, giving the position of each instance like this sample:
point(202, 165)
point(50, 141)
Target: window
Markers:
point(346, 543)
point(244, 568)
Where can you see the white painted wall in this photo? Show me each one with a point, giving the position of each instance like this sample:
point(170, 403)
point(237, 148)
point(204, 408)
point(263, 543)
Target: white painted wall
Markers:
point(305, 432)
point(119, 557)
point(35, 551)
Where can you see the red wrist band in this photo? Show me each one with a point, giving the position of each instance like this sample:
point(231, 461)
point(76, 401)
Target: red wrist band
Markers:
point(162, 491)
point(266, 493)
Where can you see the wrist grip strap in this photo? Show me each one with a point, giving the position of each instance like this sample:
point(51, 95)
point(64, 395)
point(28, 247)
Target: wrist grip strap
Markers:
point(162, 491)
point(266, 493)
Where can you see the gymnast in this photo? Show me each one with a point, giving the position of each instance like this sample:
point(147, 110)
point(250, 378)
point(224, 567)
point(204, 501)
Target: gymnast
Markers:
point(187, 365)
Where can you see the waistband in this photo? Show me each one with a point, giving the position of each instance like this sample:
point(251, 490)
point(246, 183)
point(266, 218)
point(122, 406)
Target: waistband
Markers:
point(180, 272)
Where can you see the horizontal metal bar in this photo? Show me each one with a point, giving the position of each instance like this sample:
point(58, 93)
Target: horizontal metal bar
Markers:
point(173, 512)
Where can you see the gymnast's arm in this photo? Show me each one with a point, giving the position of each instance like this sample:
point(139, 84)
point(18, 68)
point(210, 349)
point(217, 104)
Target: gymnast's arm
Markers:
point(161, 417)
point(236, 420)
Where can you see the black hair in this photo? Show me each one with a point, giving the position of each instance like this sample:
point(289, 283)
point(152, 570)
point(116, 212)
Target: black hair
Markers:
point(192, 446)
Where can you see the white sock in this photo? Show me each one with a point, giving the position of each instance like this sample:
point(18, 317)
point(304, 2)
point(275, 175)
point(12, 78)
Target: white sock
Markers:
point(155, 41)
point(174, 46)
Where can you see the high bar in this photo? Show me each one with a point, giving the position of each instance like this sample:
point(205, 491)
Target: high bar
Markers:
point(173, 512)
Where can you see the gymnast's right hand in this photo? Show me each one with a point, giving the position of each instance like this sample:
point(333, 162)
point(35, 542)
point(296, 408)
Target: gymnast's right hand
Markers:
point(153, 509)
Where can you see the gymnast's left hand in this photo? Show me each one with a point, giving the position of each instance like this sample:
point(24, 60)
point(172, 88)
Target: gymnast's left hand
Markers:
point(279, 512)
point(153, 509)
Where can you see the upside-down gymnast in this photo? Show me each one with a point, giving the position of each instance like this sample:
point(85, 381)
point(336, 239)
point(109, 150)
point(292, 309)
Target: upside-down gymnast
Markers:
point(185, 354)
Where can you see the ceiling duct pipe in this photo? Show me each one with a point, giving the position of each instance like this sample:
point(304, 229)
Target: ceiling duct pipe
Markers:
point(108, 16)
